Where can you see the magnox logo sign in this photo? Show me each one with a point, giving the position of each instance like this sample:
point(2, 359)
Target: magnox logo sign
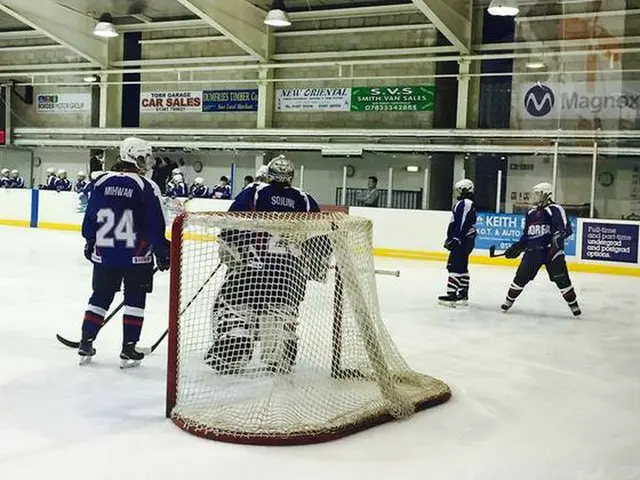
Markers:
point(539, 101)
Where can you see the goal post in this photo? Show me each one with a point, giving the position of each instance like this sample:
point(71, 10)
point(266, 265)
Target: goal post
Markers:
point(275, 333)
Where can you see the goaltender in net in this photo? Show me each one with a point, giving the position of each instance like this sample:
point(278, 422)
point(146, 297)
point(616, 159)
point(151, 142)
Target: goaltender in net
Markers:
point(266, 279)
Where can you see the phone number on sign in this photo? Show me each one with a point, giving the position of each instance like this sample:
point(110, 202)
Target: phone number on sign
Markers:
point(397, 108)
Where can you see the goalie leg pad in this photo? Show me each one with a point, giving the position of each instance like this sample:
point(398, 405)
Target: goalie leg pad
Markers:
point(278, 337)
point(233, 343)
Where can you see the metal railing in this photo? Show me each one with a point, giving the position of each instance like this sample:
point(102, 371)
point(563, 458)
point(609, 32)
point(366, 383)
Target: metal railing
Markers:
point(404, 199)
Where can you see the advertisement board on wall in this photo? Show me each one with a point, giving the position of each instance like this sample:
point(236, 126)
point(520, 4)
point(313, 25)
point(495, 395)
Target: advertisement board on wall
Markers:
point(64, 103)
point(610, 242)
point(313, 99)
point(174, 102)
point(230, 100)
point(579, 100)
point(394, 99)
point(504, 229)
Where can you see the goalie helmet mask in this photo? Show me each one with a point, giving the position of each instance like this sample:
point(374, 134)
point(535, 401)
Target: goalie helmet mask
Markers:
point(542, 194)
point(135, 151)
point(464, 188)
point(281, 170)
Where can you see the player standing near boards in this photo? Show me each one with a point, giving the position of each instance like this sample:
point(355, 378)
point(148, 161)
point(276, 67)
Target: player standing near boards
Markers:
point(546, 228)
point(461, 239)
point(124, 228)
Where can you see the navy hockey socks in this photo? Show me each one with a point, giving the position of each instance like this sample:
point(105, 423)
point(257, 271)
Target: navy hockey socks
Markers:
point(133, 317)
point(453, 284)
point(99, 303)
point(464, 280)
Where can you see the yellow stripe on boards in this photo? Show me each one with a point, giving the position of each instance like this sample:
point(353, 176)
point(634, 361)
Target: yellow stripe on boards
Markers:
point(15, 223)
point(632, 271)
point(69, 227)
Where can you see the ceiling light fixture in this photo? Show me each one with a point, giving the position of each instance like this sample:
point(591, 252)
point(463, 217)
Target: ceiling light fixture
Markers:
point(91, 78)
point(535, 64)
point(503, 8)
point(277, 16)
point(105, 27)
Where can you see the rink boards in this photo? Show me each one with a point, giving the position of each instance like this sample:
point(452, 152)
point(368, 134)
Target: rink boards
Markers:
point(601, 246)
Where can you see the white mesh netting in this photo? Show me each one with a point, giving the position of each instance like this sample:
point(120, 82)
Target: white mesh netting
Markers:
point(277, 332)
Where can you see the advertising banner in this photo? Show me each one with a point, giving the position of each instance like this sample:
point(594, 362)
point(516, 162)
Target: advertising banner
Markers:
point(313, 100)
point(579, 100)
point(610, 242)
point(393, 99)
point(504, 229)
point(64, 103)
point(174, 102)
point(230, 100)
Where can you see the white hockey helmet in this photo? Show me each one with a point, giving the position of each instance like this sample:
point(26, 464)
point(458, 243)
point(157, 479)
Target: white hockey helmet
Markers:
point(281, 169)
point(62, 173)
point(51, 171)
point(136, 151)
point(177, 178)
point(541, 194)
point(4, 172)
point(81, 174)
point(176, 171)
point(464, 187)
point(262, 173)
point(15, 173)
point(198, 181)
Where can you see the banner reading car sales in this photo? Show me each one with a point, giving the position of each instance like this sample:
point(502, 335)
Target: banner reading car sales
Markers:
point(174, 102)
point(580, 100)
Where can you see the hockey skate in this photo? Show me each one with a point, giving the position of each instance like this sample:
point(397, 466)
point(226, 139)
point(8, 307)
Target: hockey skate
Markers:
point(506, 306)
point(462, 299)
point(575, 309)
point(130, 357)
point(449, 300)
point(86, 352)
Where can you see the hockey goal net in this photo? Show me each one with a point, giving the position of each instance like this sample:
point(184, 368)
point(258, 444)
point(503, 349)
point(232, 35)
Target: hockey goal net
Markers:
point(275, 333)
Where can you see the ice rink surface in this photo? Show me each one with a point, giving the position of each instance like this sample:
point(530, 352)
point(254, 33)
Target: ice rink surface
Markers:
point(536, 393)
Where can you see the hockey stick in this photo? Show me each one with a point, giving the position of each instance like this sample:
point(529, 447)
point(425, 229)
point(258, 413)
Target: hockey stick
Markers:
point(493, 254)
point(152, 348)
point(71, 344)
point(391, 273)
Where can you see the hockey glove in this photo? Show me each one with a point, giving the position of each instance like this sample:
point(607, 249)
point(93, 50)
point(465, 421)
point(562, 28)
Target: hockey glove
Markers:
point(452, 244)
point(557, 241)
point(513, 251)
point(88, 249)
point(163, 261)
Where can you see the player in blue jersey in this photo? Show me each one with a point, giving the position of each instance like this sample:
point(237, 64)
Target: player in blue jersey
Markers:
point(81, 184)
point(542, 241)
point(223, 189)
point(199, 189)
point(266, 279)
point(177, 188)
point(5, 180)
point(124, 229)
point(461, 237)
point(62, 183)
point(16, 180)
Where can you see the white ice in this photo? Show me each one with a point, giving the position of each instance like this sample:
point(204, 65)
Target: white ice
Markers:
point(536, 393)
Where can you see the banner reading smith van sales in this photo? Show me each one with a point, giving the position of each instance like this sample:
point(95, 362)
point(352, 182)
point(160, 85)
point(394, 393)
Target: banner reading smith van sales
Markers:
point(356, 99)
point(580, 100)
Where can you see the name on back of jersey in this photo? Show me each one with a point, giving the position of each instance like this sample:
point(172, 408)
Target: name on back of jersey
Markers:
point(283, 202)
point(118, 192)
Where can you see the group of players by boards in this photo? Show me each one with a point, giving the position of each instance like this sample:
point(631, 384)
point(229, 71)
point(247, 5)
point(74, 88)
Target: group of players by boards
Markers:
point(124, 230)
point(542, 241)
